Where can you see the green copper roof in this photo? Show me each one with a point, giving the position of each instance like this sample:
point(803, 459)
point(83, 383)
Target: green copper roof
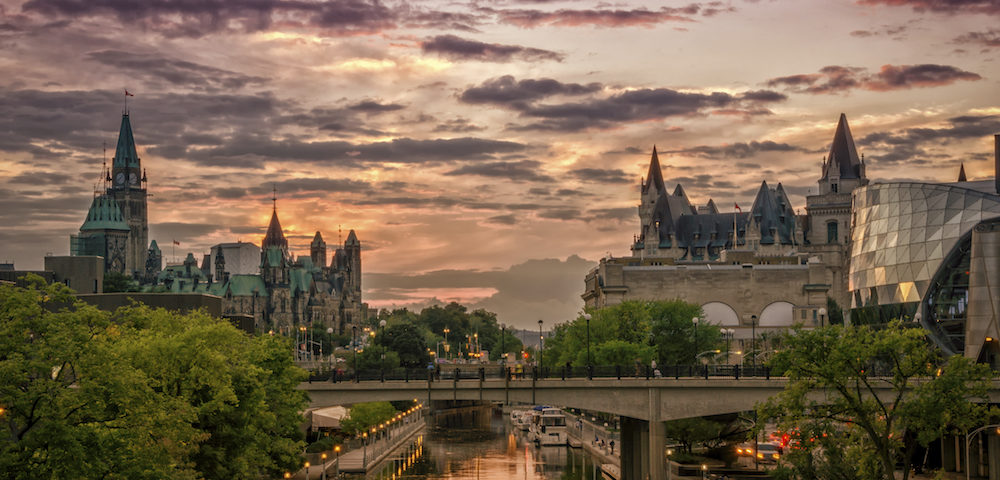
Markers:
point(104, 214)
point(273, 257)
point(153, 247)
point(301, 280)
point(125, 153)
point(246, 286)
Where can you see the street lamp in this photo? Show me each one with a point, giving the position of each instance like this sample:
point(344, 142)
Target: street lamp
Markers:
point(694, 321)
point(968, 439)
point(503, 346)
point(822, 315)
point(753, 341)
point(336, 471)
point(540, 347)
point(587, 317)
point(322, 472)
point(354, 350)
point(381, 323)
point(447, 350)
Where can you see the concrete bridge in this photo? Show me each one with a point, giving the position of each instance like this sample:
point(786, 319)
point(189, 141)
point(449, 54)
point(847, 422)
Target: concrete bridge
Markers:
point(643, 404)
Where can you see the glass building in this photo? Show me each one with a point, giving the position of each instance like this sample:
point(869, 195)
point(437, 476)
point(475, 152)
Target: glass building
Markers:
point(910, 254)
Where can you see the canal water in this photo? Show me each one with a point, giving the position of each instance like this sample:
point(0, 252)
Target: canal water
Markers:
point(499, 452)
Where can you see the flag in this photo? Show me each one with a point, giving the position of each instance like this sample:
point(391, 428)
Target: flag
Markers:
point(176, 242)
point(737, 206)
point(128, 94)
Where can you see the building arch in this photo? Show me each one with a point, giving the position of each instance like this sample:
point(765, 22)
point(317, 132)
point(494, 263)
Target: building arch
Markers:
point(718, 313)
point(776, 314)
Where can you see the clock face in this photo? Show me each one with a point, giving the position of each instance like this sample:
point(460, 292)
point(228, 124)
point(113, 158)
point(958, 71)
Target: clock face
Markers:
point(133, 179)
point(120, 178)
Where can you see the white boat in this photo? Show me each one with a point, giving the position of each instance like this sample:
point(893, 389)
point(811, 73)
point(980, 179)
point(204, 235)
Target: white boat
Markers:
point(523, 422)
point(516, 414)
point(548, 427)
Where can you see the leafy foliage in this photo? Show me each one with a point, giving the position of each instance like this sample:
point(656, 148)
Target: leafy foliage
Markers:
point(364, 416)
point(887, 392)
point(119, 282)
point(141, 393)
point(620, 334)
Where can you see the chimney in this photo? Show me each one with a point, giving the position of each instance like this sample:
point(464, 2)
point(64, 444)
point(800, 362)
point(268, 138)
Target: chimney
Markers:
point(996, 162)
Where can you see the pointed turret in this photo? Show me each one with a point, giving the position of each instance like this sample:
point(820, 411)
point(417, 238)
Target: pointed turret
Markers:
point(961, 173)
point(352, 239)
point(274, 236)
point(125, 153)
point(654, 177)
point(843, 161)
point(104, 214)
point(317, 251)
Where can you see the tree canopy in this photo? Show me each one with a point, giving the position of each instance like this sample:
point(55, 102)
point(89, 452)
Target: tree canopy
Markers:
point(887, 391)
point(622, 333)
point(140, 393)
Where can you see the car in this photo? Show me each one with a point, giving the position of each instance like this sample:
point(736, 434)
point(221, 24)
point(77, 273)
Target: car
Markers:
point(744, 450)
point(768, 453)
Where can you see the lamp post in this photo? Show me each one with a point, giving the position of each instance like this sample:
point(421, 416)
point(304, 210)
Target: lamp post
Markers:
point(336, 471)
point(822, 316)
point(446, 345)
point(541, 348)
point(587, 317)
point(503, 346)
point(968, 439)
point(307, 469)
point(354, 350)
point(381, 323)
point(322, 472)
point(753, 341)
point(694, 321)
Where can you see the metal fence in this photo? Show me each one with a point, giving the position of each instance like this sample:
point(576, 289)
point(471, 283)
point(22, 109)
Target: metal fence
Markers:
point(466, 372)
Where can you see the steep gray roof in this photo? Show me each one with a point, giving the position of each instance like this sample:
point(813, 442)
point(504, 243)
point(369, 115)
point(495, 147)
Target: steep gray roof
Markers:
point(843, 157)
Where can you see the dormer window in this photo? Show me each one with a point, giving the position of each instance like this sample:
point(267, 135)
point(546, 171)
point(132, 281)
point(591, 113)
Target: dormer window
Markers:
point(833, 187)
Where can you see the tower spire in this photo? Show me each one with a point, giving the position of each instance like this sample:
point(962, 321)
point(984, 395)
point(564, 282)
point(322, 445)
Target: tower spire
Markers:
point(655, 175)
point(961, 173)
point(274, 197)
point(843, 160)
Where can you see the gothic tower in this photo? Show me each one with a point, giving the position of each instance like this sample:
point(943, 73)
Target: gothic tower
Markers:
point(274, 257)
point(829, 212)
point(317, 250)
point(128, 188)
point(352, 247)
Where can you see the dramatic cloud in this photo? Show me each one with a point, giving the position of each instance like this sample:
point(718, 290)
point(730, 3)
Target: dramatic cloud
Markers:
point(942, 6)
point(372, 106)
point(989, 38)
point(196, 19)
point(607, 112)
point(513, 93)
point(837, 79)
point(912, 145)
point(457, 48)
point(521, 171)
point(739, 149)
point(604, 18)
point(600, 175)
point(173, 71)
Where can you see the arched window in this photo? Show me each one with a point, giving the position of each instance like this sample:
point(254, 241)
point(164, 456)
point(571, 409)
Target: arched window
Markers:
point(777, 314)
point(831, 232)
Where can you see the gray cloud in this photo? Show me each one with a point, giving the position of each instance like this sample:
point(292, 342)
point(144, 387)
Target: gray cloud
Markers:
point(173, 71)
point(528, 18)
point(457, 48)
point(739, 149)
point(950, 7)
point(509, 92)
point(601, 175)
point(520, 171)
point(840, 79)
point(911, 145)
point(988, 38)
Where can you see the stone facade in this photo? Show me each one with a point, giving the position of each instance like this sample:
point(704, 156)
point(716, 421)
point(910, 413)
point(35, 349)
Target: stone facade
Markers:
point(765, 268)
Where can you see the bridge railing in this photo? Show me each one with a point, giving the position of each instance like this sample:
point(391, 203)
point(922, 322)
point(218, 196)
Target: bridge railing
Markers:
point(455, 373)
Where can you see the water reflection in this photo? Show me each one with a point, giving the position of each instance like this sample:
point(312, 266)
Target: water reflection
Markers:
point(497, 453)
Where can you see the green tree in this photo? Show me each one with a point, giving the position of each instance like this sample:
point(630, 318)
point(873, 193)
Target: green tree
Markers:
point(692, 431)
point(115, 282)
point(363, 416)
point(673, 332)
point(407, 342)
point(887, 391)
point(141, 393)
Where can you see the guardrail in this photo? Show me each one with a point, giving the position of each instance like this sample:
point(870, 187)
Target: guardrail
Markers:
point(482, 372)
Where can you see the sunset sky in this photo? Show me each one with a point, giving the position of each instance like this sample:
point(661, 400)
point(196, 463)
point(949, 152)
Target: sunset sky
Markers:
point(486, 152)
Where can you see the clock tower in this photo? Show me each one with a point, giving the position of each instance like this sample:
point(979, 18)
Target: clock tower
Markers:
point(128, 188)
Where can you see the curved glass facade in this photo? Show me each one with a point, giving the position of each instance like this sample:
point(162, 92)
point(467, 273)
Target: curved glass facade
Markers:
point(906, 242)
